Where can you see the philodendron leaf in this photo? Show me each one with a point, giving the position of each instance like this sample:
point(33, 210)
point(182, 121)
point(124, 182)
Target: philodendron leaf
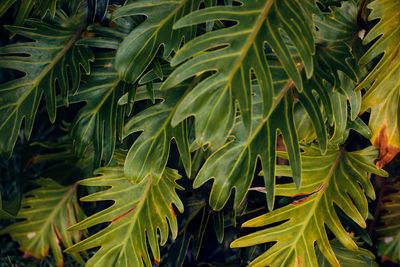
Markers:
point(233, 165)
point(328, 180)
point(140, 213)
point(140, 47)
point(383, 97)
point(149, 154)
point(97, 122)
point(43, 61)
point(346, 257)
point(234, 53)
point(389, 233)
point(48, 212)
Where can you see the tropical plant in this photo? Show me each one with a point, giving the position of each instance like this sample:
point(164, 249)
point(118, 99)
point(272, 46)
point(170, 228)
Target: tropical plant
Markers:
point(291, 108)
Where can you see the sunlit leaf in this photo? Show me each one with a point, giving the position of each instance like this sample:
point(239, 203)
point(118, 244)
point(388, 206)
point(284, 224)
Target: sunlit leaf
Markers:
point(139, 217)
point(383, 97)
point(328, 180)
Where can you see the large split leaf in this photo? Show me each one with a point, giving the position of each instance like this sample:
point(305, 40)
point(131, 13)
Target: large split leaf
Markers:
point(336, 30)
point(48, 212)
point(52, 58)
point(234, 53)
point(140, 47)
point(140, 212)
point(328, 180)
point(149, 154)
point(383, 97)
point(389, 233)
point(97, 122)
point(335, 75)
point(233, 165)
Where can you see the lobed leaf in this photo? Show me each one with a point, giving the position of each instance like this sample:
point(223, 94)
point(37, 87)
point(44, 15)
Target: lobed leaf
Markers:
point(383, 96)
point(140, 47)
point(149, 153)
point(334, 181)
point(140, 212)
point(52, 58)
point(48, 211)
point(233, 54)
point(97, 122)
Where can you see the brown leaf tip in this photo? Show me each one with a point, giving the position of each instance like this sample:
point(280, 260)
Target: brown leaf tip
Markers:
point(387, 150)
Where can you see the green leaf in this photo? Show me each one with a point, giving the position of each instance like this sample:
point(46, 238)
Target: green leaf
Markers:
point(388, 243)
point(336, 30)
point(383, 96)
point(333, 178)
point(233, 54)
point(149, 154)
point(51, 59)
point(233, 165)
point(24, 8)
point(140, 47)
point(97, 122)
point(48, 212)
point(140, 212)
point(347, 257)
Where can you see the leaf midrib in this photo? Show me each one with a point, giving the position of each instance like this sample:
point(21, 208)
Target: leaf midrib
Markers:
point(320, 194)
point(34, 85)
point(137, 211)
point(56, 210)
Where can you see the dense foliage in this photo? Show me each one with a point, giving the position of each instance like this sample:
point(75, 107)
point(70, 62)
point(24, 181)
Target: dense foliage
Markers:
point(162, 132)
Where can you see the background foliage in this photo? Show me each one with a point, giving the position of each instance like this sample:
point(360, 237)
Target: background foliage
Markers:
point(199, 133)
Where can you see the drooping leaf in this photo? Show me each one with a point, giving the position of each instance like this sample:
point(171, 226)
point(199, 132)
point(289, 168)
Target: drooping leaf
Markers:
point(234, 53)
point(233, 165)
point(48, 212)
point(388, 243)
point(335, 72)
point(49, 60)
point(140, 47)
point(328, 180)
point(346, 257)
point(97, 122)
point(383, 97)
point(149, 154)
point(140, 213)
point(335, 32)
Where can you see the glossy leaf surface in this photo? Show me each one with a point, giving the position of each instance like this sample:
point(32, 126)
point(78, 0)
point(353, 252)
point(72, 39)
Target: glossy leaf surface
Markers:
point(140, 212)
point(234, 53)
point(336, 179)
point(48, 212)
point(44, 63)
point(383, 97)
